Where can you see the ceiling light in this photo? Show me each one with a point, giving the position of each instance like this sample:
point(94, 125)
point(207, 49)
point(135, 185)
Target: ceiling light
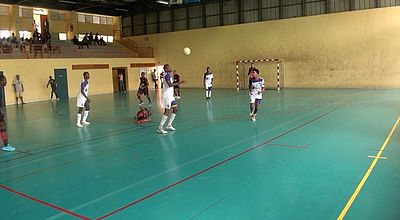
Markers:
point(68, 2)
point(121, 9)
point(162, 2)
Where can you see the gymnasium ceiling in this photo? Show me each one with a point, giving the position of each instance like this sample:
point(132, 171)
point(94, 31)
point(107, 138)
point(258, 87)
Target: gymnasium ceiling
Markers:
point(105, 7)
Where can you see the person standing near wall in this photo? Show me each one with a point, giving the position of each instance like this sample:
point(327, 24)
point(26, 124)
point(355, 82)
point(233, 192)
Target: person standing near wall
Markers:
point(121, 82)
point(18, 89)
point(53, 85)
point(207, 81)
point(154, 78)
point(3, 131)
point(162, 79)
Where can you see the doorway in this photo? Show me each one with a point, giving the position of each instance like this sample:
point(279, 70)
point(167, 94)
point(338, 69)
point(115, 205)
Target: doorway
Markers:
point(60, 75)
point(120, 79)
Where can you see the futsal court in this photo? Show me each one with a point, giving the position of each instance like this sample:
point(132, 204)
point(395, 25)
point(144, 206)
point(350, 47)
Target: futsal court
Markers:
point(303, 158)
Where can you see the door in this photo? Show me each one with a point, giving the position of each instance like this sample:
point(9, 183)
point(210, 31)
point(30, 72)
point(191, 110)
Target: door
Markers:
point(115, 76)
point(43, 19)
point(60, 76)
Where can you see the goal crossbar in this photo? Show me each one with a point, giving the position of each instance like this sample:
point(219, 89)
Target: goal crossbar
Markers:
point(278, 70)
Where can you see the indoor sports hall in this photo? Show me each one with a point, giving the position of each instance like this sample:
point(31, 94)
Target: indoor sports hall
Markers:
point(296, 117)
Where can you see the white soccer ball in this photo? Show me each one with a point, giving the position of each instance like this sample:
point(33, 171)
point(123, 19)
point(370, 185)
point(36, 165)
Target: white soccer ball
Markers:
point(186, 51)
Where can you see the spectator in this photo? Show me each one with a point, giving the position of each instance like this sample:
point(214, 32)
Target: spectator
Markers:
point(96, 39)
point(154, 78)
point(102, 42)
point(75, 40)
point(90, 38)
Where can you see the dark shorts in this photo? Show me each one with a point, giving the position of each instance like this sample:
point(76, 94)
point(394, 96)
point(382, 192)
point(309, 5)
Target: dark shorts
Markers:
point(144, 91)
point(176, 87)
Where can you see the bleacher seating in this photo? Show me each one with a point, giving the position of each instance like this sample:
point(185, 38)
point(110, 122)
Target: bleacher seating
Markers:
point(66, 49)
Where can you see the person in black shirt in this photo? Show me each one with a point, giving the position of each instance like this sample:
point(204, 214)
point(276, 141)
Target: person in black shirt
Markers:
point(177, 89)
point(53, 85)
point(143, 89)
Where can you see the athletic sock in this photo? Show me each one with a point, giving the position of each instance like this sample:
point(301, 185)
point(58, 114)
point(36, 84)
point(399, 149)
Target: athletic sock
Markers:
point(79, 117)
point(4, 137)
point(209, 94)
point(85, 115)
point(163, 120)
point(206, 94)
point(171, 119)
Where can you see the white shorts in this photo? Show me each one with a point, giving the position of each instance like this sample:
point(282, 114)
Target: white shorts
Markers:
point(254, 97)
point(166, 102)
point(208, 86)
point(18, 93)
point(80, 101)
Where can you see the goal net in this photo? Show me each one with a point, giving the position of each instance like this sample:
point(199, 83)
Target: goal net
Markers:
point(271, 70)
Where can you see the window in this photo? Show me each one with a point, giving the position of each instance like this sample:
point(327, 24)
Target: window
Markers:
point(62, 36)
point(61, 16)
point(3, 10)
point(88, 19)
point(4, 33)
point(96, 20)
point(109, 21)
point(25, 12)
point(81, 18)
point(25, 34)
point(103, 20)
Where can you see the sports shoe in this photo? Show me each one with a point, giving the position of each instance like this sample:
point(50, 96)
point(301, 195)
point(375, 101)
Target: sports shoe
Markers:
point(141, 103)
point(149, 104)
point(85, 123)
point(253, 118)
point(161, 130)
point(170, 128)
point(79, 125)
point(8, 148)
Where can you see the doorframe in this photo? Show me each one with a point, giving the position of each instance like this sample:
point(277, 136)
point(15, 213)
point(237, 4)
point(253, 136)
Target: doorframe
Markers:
point(126, 76)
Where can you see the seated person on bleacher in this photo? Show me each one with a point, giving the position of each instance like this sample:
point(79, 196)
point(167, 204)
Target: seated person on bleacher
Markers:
point(75, 40)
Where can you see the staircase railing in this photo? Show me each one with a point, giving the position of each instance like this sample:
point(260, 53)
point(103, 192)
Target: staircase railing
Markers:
point(141, 52)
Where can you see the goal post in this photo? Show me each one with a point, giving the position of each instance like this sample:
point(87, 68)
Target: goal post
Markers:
point(278, 70)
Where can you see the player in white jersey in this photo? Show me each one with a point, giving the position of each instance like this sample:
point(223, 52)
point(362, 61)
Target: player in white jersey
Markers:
point(207, 81)
point(168, 100)
point(256, 89)
point(83, 101)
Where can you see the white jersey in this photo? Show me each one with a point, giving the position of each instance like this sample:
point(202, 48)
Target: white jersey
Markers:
point(168, 91)
point(81, 100)
point(256, 88)
point(208, 78)
point(18, 85)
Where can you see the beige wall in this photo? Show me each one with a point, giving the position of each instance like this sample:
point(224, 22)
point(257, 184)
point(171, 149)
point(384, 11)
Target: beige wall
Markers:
point(357, 49)
point(35, 72)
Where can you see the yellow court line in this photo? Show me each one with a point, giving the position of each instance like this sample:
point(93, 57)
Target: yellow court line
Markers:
point(371, 167)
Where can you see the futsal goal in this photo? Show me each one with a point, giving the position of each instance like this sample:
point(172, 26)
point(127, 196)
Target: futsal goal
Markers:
point(271, 70)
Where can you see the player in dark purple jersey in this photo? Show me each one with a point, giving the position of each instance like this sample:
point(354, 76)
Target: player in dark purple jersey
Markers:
point(177, 89)
point(3, 131)
point(143, 89)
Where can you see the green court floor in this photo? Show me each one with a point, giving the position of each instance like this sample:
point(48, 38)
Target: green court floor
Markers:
point(302, 159)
